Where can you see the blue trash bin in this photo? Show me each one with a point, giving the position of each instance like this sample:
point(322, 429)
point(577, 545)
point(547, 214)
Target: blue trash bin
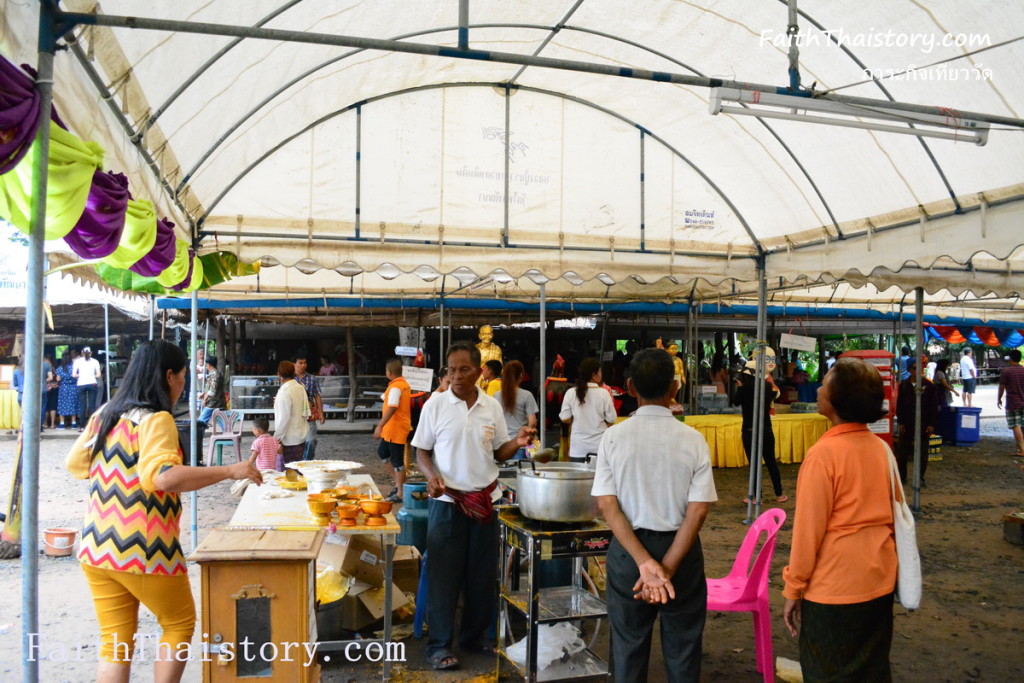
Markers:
point(964, 429)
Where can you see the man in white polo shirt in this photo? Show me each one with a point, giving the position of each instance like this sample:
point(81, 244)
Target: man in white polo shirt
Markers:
point(86, 370)
point(654, 486)
point(460, 434)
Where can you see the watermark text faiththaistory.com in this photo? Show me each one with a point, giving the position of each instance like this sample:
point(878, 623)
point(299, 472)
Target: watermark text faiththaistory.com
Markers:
point(888, 38)
point(147, 647)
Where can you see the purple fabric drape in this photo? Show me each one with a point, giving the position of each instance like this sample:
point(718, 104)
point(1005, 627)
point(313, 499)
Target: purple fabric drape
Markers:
point(161, 256)
point(54, 116)
point(19, 115)
point(188, 278)
point(98, 231)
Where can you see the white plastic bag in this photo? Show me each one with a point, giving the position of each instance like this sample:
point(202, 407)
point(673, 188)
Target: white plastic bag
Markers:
point(553, 642)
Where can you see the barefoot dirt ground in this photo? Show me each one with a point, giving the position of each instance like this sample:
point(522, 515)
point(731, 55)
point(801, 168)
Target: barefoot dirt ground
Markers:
point(969, 627)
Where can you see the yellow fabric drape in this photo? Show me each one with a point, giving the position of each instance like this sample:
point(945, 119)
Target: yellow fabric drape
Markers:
point(197, 275)
point(177, 271)
point(71, 166)
point(138, 237)
point(10, 411)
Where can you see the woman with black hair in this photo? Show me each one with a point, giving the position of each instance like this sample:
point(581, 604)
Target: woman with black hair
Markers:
point(518, 404)
point(130, 551)
point(941, 380)
point(589, 409)
point(842, 568)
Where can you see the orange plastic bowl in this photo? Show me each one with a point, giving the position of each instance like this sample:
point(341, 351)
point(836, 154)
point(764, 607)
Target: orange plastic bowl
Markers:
point(347, 511)
point(375, 507)
point(321, 503)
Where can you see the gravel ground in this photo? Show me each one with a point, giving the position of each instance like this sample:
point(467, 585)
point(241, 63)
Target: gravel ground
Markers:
point(967, 629)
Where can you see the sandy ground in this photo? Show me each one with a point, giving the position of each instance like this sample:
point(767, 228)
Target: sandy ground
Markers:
point(969, 626)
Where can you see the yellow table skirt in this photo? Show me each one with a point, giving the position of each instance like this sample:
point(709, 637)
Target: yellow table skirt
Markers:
point(795, 433)
point(10, 411)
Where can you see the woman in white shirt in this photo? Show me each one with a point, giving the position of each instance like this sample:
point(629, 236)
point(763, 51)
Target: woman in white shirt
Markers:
point(589, 409)
point(518, 404)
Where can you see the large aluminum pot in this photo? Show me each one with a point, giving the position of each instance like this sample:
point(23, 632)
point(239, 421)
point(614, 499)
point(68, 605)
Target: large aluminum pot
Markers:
point(556, 492)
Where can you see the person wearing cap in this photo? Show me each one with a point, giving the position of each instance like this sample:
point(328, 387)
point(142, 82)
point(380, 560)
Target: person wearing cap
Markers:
point(906, 408)
point(743, 396)
point(87, 373)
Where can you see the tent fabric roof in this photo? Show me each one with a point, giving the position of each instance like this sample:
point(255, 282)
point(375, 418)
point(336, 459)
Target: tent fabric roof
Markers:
point(385, 170)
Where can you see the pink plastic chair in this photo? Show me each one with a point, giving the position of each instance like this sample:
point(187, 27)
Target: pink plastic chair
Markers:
point(741, 591)
point(226, 428)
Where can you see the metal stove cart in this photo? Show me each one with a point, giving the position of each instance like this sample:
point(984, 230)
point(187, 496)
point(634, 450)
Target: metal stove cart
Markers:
point(536, 541)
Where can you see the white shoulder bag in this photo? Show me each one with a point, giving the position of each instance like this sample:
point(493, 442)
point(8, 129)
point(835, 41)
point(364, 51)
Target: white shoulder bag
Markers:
point(908, 574)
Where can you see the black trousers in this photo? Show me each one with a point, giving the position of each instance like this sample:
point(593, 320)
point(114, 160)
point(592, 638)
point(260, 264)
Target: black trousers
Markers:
point(846, 643)
point(632, 621)
point(462, 557)
point(767, 455)
point(905, 454)
point(86, 403)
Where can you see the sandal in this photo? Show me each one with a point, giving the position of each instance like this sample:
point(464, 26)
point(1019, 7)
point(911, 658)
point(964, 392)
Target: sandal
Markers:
point(442, 660)
point(782, 499)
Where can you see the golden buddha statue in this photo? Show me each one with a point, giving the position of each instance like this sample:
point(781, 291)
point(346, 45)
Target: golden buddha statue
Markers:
point(488, 349)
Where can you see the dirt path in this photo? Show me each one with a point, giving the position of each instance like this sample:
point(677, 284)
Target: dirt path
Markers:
point(968, 628)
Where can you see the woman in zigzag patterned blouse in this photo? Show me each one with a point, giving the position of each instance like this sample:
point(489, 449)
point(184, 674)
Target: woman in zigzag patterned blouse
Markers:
point(130, 551)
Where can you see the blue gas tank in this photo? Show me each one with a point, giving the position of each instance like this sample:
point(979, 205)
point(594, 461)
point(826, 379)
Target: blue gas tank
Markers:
point(414, 527)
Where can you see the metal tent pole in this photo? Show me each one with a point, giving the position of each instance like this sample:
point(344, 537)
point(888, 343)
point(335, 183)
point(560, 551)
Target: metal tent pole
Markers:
point(193, 426)
point(918, 390)
point(543, 356)
point(152, 314)
point(106, 344)
point(116, 21)
point(757, 416)
point(32, 402)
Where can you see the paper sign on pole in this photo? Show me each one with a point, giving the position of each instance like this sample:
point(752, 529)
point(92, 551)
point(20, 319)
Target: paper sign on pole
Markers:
point(419, 379)
point(405, 351)
point(798, 342)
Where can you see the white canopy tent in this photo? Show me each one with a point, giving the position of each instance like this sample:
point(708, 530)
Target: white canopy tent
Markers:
point(320, 156)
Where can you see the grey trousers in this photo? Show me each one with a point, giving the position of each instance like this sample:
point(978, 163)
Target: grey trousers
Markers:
point(632, 621)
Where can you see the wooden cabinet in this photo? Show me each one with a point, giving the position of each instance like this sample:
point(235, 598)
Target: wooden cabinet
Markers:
point(258, 604)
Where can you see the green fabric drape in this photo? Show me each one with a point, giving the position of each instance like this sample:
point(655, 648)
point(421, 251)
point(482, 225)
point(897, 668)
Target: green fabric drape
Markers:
point(221, 266)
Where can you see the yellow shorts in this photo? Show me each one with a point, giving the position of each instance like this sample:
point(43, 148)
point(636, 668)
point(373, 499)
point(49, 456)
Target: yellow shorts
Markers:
point(116, 596)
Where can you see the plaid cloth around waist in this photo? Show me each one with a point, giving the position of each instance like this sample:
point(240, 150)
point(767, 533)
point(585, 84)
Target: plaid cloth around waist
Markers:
point(476, 505)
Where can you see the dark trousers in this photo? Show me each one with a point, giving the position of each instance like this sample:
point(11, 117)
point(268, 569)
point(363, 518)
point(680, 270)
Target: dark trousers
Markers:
point(292, 453)
point(846, 643)
point(905, 454)
point(463, 559)
point(767, 455)
point(632, 621)
point(86, 403)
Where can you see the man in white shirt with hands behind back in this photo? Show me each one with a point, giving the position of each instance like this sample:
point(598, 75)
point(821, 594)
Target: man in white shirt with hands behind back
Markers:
point(654, 486)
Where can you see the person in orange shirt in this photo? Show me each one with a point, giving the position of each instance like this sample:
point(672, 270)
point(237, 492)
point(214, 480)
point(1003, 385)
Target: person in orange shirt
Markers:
point(842, 566)
point(395, 425)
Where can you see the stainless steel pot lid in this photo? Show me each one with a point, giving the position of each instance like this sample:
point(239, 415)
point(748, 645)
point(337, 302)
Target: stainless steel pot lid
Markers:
point(559, 472)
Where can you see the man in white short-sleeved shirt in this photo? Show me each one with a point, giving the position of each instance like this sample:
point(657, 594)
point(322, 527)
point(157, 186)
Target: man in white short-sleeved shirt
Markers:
point(969, 376)
point(459, 436)
point(86, 370)
point(654, 486)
